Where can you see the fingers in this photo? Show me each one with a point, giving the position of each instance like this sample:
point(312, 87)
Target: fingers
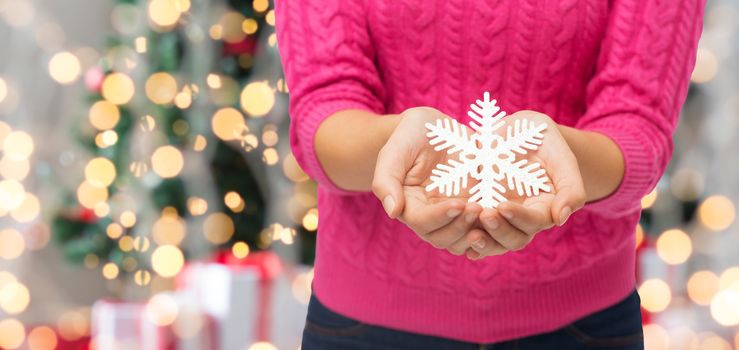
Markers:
point(423, 217)
point(510, 237)
point(387, 183)
point(530, 219)
point(569, 197)
point(451, 236)
point(568, 186)
point(482, 245)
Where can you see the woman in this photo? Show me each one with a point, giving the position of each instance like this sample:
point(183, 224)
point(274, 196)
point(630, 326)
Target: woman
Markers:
point(398, 267)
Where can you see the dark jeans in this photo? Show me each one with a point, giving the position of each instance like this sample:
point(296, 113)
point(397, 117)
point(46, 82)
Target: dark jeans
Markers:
point(617, 327)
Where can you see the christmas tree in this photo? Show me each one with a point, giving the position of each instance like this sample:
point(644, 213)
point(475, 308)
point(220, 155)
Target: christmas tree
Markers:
point(182, 131)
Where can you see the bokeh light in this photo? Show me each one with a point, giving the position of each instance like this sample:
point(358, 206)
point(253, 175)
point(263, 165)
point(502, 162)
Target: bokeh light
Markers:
point(12, 194)
point(716, 212)
point(74, 324)
point(167, 161)
point(12, 244)
point(262, 346)
point(64, 67)
point(168, 229)
point(3, 89)
point(240, 250)
point(118, 88)
point(310, 220)
point(28, 210)
point(725, 307)
point(161, 88)
point(100, 172)
point(18, 145)
point(702, 286)
point(162, 309)
point(164, 13)
point(656, 337)
point(231, 27)
point(674, 246)
point(706, 66)
point(227, 123)
point(648, 200)
point(655, 295)
point(218, 228)
point(89, 195)
point(42, 338)
point(14, 169)
point(110, 271)
point(12, 333)
point(167, 260)
point(729, 278)
point(257, 99)
point(14, 298)
point(104, 115)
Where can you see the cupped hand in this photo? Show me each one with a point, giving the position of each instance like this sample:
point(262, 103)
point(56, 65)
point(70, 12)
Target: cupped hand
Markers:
point(402, 172)
point(514, 223)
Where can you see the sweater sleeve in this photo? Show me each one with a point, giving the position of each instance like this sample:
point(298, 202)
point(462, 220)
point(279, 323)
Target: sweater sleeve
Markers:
point(638, 89)
point(328, 59)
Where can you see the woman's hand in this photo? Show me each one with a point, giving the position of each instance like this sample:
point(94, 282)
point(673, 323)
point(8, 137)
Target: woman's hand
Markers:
point(514, 223)
point(402, 172)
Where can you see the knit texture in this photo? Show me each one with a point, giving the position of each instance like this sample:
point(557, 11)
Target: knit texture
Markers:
point(619, 67)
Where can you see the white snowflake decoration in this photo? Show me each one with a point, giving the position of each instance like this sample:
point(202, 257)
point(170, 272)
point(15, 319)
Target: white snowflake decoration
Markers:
point(487, 156)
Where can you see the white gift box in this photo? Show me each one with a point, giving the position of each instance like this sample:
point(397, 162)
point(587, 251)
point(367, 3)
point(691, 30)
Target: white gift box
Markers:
point(249, 303)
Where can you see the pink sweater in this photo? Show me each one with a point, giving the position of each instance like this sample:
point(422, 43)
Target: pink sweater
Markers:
point(618, 67)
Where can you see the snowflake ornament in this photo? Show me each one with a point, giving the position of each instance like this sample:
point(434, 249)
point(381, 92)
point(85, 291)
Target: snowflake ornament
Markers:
point(486, 156)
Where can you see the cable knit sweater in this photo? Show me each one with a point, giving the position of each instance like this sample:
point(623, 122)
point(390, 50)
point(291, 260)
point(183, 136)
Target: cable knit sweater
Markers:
point(618, 67)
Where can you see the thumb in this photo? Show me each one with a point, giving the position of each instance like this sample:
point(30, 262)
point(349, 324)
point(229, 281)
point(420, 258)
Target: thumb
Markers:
point(387, 183)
